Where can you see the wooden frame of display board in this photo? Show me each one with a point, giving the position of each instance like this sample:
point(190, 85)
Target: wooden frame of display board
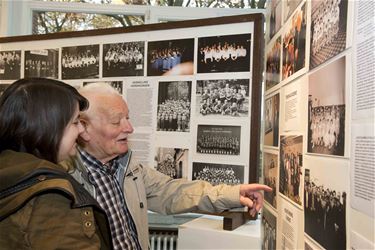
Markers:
point(202, 79)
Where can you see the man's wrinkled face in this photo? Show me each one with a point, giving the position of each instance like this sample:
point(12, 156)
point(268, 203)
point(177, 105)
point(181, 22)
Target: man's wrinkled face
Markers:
point(108, 127)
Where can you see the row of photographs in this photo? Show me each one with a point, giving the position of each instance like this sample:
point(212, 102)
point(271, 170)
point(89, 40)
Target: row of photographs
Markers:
point(229, 53)
point(307, 185)
point(326, 111)
point(287, 53)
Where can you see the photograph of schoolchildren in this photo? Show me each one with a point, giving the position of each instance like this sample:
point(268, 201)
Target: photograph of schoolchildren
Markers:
point(289, 7)
point(10, 65)
point(229, 53)
point(273, 64)
point(225, 98)
point(326, 110)
point(221, 140)
point(172, 57)
point(80, 62)
point(42, 63)
point(268, 230)
point(328, 30)
point(294, 44)
point(218, 173)
point(117, 85)
point(290, 180)
point(172, 162)
point(324, 210)
point(3, 88)
point(271, 120)
point(123, 59)
point(270, 173)
point(275, 17)
point(174, 106)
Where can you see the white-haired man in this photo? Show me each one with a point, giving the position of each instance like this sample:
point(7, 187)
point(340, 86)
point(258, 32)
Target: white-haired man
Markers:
point(127, 190)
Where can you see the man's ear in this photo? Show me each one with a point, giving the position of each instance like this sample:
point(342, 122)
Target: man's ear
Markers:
point(84, 136)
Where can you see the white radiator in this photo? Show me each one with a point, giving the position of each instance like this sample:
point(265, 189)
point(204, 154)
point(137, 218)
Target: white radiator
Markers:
point(163, 241)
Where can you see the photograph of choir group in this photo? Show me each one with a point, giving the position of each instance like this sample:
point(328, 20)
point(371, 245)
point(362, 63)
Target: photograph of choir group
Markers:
point(289, 7)
point(294, 44)
point(10, 65)
point(223, 97)
point(224, 53)
point(290, 182)
point(325, 212)
point(328, 30)
point(117, 85)
point(3, 87)
point(326, 110)
point(270, 171)
point(275, 17)
point(173, 112)
point(170, 55)
point(42, 63)
point(271, 120)
point(218, 173)
point(123, 59)
point(221, 140)
point(268, 230)
point(273, 62)
point(80, 62)
point(172, 162)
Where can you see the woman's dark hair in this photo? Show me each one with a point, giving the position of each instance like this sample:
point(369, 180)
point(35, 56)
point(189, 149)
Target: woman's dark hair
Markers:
point(34, 113)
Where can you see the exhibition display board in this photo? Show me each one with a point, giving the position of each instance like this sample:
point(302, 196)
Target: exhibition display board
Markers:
point(193, 88)
point(318, 152)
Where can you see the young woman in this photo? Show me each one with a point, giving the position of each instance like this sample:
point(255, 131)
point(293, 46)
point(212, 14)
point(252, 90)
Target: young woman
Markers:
point(41, 206)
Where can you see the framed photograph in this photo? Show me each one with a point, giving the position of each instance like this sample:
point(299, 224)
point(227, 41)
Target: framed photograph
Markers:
point(326, 110)
point(224, 53)
point(268, 230)
point(170, 57)
point(172, 162)
point(174, 100)
point(290, 180)
point(218, 173)
point(80, 62)
point(328, 30)
point(42, 63)
point(221, 140)
point(223, 98)
point(10, 65)
point(123, 59)
point(275, 17)
point(270, 173)
point(273, 64)
point(271, 120)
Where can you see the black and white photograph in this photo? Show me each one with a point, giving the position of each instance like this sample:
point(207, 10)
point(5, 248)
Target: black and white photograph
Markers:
point(10, 65)
point(294, 44)
point(325, 206)
point(172, 162)
point(123, 59)
point(223, 98)
point(80, 62)
point(270, 172)
point(326, 110)
point(268, 230)
point(170, 57)
point(174, 106)
point(271, 120)
point(275, 17)
point(229, 53)
point(42, 63)
point(117, 85)
point(3, 88)
point(289, 7)
point(221, 140)
point(328, 30)
point(218, 173)
point(290, 181)
point(273, 64)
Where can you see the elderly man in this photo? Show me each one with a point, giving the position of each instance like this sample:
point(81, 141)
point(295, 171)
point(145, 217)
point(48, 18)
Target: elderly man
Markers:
point(125, 189)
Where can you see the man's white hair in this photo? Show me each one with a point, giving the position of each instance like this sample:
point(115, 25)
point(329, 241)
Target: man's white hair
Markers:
point(98, 88)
